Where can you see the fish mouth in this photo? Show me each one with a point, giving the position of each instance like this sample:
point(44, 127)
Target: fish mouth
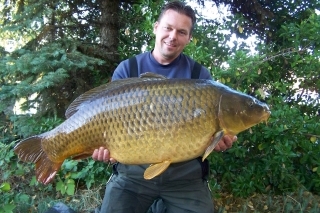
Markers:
point(266, 115)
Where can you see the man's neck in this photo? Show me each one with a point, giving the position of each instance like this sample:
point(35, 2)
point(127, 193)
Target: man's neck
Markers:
point(160, 59)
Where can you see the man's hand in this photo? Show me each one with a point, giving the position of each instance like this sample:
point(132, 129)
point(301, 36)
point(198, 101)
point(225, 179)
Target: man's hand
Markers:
point(225, 143)
point(102, 154)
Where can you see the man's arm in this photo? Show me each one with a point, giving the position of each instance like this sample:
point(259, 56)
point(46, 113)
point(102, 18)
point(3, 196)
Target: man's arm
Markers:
point(122, 71)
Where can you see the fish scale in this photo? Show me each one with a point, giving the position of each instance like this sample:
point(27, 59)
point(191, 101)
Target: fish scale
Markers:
point(147, 120)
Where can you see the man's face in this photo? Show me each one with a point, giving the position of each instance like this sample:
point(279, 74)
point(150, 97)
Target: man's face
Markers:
point(173, 33)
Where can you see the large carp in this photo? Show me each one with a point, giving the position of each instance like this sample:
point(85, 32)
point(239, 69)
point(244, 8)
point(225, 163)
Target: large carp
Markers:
point(147, 120)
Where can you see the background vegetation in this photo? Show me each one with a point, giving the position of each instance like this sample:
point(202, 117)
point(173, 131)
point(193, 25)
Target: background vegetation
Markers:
point(61, 49)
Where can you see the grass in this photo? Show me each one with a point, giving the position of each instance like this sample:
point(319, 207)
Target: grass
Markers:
point(85, 201)
point(298, 202)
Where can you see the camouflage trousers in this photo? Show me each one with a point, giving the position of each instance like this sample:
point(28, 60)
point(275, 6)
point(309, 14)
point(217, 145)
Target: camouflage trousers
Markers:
point(181, 188)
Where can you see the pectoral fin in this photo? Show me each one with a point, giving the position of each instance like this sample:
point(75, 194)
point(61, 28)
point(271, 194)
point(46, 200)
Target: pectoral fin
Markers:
point(215, 140)
point(156, 169)
point(81, 156)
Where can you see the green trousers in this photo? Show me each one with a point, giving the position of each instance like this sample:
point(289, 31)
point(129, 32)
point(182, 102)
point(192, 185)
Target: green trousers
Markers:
point(181, 188)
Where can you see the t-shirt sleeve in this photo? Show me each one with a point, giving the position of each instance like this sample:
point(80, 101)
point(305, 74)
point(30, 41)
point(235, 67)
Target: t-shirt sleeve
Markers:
point(122, 71)
point(205, 74)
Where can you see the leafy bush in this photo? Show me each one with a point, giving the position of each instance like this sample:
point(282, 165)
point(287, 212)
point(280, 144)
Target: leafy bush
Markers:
point(283, 155)
point(19, 189)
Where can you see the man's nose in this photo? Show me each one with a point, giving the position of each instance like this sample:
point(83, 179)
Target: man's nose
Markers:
point(173, 35)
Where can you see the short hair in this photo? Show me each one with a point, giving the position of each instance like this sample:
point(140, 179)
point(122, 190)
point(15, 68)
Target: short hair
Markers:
point(181, 8)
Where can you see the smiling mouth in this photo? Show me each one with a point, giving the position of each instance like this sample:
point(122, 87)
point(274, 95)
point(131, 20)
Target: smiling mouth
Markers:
point(169, 44)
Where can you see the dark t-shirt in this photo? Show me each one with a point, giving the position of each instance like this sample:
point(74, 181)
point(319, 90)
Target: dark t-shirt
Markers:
point(181, 67)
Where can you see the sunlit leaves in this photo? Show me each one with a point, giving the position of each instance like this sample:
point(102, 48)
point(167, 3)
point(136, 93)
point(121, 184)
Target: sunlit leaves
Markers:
point(277, 156)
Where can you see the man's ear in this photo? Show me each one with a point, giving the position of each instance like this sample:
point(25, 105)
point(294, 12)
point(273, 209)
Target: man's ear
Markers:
point(155, 26)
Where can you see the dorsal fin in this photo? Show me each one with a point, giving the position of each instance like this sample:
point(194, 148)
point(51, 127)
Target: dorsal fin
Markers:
point(97, 92)
point(101, 90)
point(152, 75)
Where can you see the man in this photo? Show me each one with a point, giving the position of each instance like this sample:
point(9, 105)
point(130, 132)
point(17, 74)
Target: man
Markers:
point(183, 186)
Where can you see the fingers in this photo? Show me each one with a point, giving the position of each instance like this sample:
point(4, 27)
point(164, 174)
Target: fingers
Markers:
point(103, 155)
point(225, 143)
point(112, 161)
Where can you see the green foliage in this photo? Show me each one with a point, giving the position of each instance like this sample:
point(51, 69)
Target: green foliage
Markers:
point(87, 172)
point(15, 176)
point(137, 34)
point(48, 74)
point(282, 156)
point(9, 168)
point(52, 63)
point(67, 186)
point(28, 125)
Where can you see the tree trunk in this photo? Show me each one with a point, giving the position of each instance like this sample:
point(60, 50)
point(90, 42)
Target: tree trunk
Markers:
point(109, 32)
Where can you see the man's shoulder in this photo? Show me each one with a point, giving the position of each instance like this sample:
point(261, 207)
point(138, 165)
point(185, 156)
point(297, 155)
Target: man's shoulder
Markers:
point(137, 57)
point(142, 55)
point(130, 66)
point(187, 58)
point(201, 71)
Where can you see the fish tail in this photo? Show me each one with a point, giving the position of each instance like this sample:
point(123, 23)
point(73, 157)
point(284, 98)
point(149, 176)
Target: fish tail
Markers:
point(30, 150)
